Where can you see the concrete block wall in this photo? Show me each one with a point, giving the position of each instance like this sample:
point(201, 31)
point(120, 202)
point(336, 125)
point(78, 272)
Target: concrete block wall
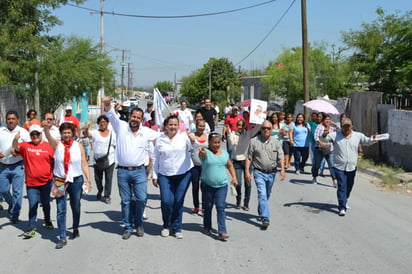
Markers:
point(400, 143)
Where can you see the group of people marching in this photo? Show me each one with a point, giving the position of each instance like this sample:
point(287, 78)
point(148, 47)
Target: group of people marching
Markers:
point(184, 150)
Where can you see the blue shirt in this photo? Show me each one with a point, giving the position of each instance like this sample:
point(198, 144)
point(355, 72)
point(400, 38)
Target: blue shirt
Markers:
point(214, 169)
point(300, 136)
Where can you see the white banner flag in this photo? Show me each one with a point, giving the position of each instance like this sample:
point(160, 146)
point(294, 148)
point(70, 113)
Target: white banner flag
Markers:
point(159, 106)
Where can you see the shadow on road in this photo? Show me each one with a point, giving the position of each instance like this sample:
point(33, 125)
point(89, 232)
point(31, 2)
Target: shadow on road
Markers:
point(300, 181)
point(314, 207)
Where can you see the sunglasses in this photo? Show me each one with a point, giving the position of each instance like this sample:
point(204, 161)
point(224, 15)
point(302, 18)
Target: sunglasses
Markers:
point(35, 134)
point(266, 128)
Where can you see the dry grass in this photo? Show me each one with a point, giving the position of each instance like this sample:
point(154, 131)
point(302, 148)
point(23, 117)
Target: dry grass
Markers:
point(389, 179)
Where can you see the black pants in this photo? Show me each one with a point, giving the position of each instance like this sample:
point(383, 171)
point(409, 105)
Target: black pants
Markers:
point(98, 176)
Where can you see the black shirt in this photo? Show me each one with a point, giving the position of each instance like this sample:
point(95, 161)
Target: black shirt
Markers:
point(209, 116)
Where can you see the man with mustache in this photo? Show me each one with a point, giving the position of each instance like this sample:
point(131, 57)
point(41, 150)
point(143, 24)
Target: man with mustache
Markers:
point(132, 139)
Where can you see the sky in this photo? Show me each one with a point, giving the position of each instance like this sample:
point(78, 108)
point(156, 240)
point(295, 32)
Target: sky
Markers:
point(169, 49)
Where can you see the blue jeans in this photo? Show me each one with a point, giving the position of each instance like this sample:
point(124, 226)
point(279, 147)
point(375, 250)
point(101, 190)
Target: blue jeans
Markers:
point(37, 194)
point(264, 183)
point(12, 175)
point(240, 171)
point(195, 178)
point(301, 155)
point(217, 196)
point(132, 183)
point(319, 157)
point(172, 195)
point(346, 180)
point(75, 192)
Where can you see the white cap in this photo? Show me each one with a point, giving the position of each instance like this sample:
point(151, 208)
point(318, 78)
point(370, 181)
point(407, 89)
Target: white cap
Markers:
point(69, 107)
point(35, 128)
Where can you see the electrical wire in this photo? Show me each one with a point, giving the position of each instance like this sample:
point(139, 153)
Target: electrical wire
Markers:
point(172, 16)
point(267, 35)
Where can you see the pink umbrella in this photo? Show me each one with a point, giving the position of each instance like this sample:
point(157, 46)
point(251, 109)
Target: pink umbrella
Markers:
point(321, 106)
point(167, 98)
point(245, 103)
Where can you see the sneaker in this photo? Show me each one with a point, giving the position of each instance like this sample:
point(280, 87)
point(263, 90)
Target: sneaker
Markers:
point(61, 244)
point(75, 234)
point(237, 206)
point(245, 208)
point(139, 231)
point(145, 217)
point(297, 172)
point(29, 234)
point(314, 181)
point(126, 235)
point(195, 210)
point(165, 232)
point(178, 235)
point(107, 200)
point(265, 224)
point(223, 236)
point(342, 212)
point(48, 225)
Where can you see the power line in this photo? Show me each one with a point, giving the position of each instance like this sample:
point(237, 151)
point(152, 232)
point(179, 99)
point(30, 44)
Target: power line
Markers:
point(172, 16)
point(267, 35)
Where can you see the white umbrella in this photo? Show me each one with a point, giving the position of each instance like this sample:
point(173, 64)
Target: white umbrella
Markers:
point(321, 106)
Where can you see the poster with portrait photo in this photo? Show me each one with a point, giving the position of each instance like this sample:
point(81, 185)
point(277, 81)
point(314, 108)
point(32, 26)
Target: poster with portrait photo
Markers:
point(258, 110)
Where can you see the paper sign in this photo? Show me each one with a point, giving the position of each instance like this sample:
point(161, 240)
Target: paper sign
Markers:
point(258, 110)
point(381, 137)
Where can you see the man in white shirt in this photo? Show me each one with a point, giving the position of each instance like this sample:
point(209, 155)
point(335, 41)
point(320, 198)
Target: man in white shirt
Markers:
point(54, 131)
point(185, 115)
point(147, 112)
point(131, 142)
point(11, 165)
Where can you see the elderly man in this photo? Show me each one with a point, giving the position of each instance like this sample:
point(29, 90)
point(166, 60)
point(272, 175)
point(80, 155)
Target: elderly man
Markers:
point(266, 153)
point(132, 139)
point(147, 112)
point(345, 160)
point(11, 165)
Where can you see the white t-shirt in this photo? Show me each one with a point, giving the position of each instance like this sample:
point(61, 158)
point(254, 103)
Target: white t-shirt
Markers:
point(185, 116)
point(100, 145)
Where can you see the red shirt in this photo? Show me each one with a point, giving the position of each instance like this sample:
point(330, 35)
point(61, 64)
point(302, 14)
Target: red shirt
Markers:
point(72, 119)
point(30, 123)
point(37, 162)
point(232, 121)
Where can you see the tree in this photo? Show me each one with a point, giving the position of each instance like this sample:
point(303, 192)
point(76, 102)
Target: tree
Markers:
point(225, 82)
point(382, 52)
point(326, 75)
point(70, 67)
point(164, 87)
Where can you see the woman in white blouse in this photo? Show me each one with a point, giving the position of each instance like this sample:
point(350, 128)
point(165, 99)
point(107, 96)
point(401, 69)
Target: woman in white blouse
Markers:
point(171, 172)
point(70, 164)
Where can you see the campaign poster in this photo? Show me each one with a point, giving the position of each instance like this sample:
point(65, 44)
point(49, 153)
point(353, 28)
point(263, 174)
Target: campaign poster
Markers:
point(258, 111)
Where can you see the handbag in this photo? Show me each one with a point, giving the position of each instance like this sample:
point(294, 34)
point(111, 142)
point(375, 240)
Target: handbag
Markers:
point(59, 187)
point(103, 162)
point(326, 150)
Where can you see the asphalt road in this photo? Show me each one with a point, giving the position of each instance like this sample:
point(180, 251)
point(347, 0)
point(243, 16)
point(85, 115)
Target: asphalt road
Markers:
point(306, 235)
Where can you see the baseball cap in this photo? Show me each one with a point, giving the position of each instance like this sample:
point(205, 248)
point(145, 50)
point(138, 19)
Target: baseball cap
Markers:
point(235, 108)
point(150, 103)
point(346, 121)
point(35, 128)
point(69, 107)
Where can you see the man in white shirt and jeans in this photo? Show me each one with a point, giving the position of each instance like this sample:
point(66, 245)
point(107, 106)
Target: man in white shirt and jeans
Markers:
point(131, 142)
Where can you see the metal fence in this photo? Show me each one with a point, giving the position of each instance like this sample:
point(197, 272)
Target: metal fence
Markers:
point(10, 100)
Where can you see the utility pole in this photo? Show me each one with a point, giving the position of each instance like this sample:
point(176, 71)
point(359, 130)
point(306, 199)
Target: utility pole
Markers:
point(101, 91)
point(305, 56)
point(122, 77)
point(129, 80)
